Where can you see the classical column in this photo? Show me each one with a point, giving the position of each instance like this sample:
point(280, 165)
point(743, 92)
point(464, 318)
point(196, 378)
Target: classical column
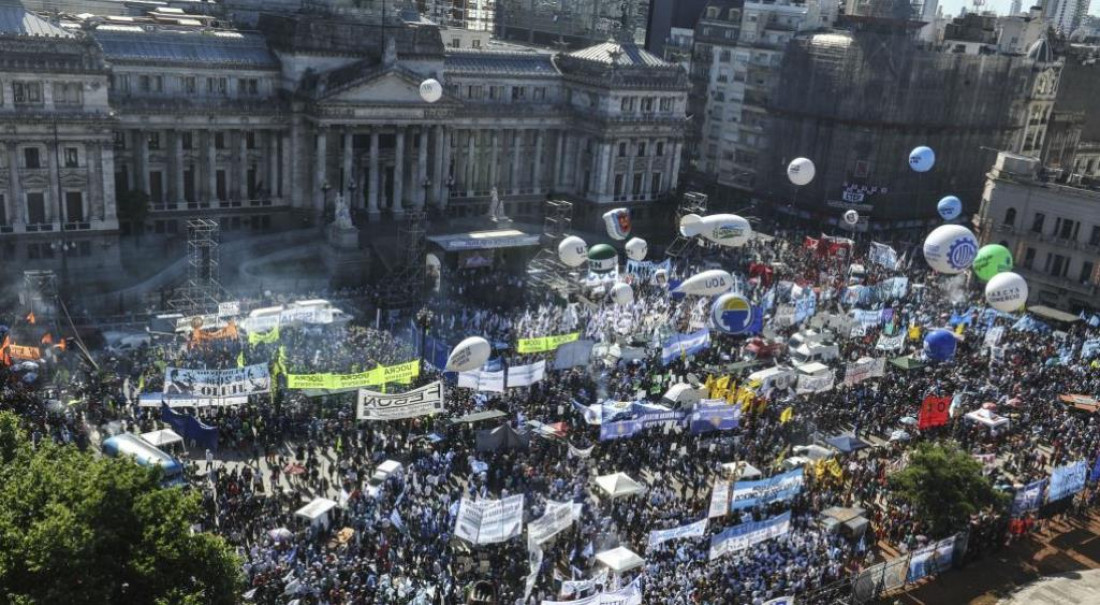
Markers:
point(579, 180)
point(286, 169)
point(674, 178)
point(53, 192)
point(446, 176)
point(141, 143)
point(559, 161)
point(470, 172)
point(628, 177)
point(439, 179)
point(399, 174)
point(16, 191)
point(211, 169)
point(272, 179)
point(375, 177)
point(177, 167)
point(95, 182)
point(605, 169)
point(349, 153)
point(421, 168)
point(107, 173)
point(242, 163)
point(516, 151)
point(536, 175)
point(494, 161)
point(319, 171)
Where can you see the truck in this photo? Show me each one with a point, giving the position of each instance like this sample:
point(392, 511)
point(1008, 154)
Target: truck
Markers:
point(763, 348)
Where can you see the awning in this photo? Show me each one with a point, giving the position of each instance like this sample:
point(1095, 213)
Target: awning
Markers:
point(316, 509)
point(907, 362)
point(1053, 314)
point(485, 240)
point(620, 559)
point(748, 471)
point(618, 485)
point(988, 418)
point(162, 437)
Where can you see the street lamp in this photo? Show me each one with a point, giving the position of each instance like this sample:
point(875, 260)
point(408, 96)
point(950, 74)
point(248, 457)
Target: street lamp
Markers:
point(324, 196)
point(353, 205)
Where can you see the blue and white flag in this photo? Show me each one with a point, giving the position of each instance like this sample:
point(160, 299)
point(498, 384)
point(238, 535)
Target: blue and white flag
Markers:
point(780, 601)
point(1090, 348)
point(745, 535)
point(1067, 480)
point(747, 494)
point(805, 307)
point(883, 255)
point(682, 345)
point(628, 428)
point(892, 289)
point(1029, 498)
point(691, 530)
point(721, 417)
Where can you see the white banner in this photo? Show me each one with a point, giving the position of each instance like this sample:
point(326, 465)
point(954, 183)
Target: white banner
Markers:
point(748, 534)
point(691, 530)
point(534, 563)
point(890, 343)
point(288, 316)
point(817, 383)
point(249, 380)
point(784, 316)
point(490, 521)
point(864, 369)
point(572, 587)
point(557, 518)
point(394, 406)
point(780, 601)
point(488, 382)
point(526, 375)
point(993, 336)
point(154, 400)
point(584, 454)
point(719, 499)
point(229, 309)
point(631, 595)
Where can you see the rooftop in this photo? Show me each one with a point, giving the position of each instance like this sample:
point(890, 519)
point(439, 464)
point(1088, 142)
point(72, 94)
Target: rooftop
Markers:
point(622, 55)
point(511, 63)
point(134, 43)
point(16, 21)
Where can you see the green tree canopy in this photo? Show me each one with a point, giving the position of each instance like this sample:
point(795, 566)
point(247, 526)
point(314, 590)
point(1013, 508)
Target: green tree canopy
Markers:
point(945, 486)
point(80, 529)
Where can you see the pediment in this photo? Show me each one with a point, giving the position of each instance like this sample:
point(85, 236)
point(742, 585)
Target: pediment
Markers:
point(390, 87)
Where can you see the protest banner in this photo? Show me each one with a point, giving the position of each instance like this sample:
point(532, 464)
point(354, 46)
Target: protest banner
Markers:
point(526, 375)
point(747, 494)
point(557, 518)
point(816, 383)
point(543, 344)
point(719, 499)
point(863, 369)
point(748, 534)
point(1067, 480)
point(934, 411)
point(250, 380)
point(426, 400)
point(489, 521)
point(402, 373)
point(481, 380)
point(691, 530)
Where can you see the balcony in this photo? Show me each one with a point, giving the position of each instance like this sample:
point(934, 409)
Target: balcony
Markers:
point(1064, 283)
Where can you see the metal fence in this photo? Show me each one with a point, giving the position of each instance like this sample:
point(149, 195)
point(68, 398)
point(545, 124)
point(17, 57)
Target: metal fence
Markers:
point(877, 580)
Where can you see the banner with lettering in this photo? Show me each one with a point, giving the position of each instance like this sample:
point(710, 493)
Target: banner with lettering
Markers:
point(545, 343)
point(934, 411)
point(395, 406)
point(402, 373)
point(691, 530)
point(864, 369)
point(249, 380)
point(264, 338)
point(748, 534)
point(747, 494)
point(1067, 480)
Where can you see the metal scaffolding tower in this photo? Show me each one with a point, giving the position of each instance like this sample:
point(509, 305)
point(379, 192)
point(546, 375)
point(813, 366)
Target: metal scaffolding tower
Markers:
point(40, 294)
point(202, 290)
point(546, 269)
point(693, 203)
point(405, 285)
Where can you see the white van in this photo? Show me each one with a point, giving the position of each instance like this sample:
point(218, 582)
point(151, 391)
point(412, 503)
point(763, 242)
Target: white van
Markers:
point(779, 377)
point(383, 472)
point(816, 352)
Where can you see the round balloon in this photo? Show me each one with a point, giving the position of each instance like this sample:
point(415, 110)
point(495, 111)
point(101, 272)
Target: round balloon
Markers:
point(726, 229)
point(939, 345)
point(622, 294)
point(950, 207)
point(991, 260)
point(573, 251)
point(617, 222)
point(602, 259)
point(691, 225)
point(851, 217)
point(1006, 292)
point(636, 248)
point(707, 283)
point(950, 249)
point(731, 313)
point(431, 90)
point(470, 354)
point(801, 171)
point(922, 159)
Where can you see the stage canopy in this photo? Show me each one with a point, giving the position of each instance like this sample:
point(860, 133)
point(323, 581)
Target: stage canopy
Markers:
point(748, 471)
point(485, 240)
point(619, 485)
point(162, 437)
point(620, 559)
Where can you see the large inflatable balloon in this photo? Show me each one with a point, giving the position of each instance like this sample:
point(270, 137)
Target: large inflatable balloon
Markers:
point(707, 283)
point(431, 90)
point(622, 294)
point(731, 313)
point(939, 345)
point(573, 251)
point(801, 171)
point(636, 248)
point(991, 260)
point(1006, 292)
point(851, 217)
point(470, 354)
point(922, 159)
point(602, 259)
point(950, 249)
point(691, 225)
point(950, 207)
point(722, 229)
point(617, 222)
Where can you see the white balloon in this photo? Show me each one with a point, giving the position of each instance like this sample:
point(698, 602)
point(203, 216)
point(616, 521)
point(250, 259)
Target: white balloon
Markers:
point(691, 225)
point(950, 249)
point(707, 283)
point(622, 294)
point(851, 217)
point(1006, 292)
point(726, 230)
point(431, 90)
point(470, 354)
point(636, 249)
point(922, 159)
point(801, 171)
point(573, 251)
point(617, 222)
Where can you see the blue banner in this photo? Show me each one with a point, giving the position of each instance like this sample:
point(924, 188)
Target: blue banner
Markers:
point(682, 345)
point(747, 494)
point(435, 352)
point(719, 417)
point(1067, 480)
point(1029, 498)
point(190, 428)
point(645, 269)
point(628, 428)
point(892, 289)
point(805, 307)
point(748, 534)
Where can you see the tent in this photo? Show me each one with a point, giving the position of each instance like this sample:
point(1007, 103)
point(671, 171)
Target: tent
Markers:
point(989, 418)
point(748, 471)
point(847, 443)
point(162, 437)
point(813, 452)
point(618, 485)
point(620, 559)
point(316, 512)
point(907, 362)
point(479, 416)
point(503, 437)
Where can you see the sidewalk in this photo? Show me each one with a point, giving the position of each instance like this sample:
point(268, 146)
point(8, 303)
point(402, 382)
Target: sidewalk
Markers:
point(1067, 547)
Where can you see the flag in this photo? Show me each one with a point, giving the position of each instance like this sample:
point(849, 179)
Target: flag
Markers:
point(30, 318)
point(914, 333)
point(786, 416)
point(959, 328)
point(720, 387)
point(240, 359)
point(709, 386)
point(339, 443)
point(883, 255)
point(934, 411)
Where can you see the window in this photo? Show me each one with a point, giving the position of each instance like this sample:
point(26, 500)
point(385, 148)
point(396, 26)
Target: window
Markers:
point(456, 43)
point(618, 185)
point(120, 139)
point(655, 184)
point(1059, 266)
point(219, 140)
point(216, 86)
point(151, 83)
point(1010, 216)
point(1037, 223)
point(1094, 237)
point(1029, 258)
point(660, 151)
point(641, 149)
point(68, 94)
point(1086, 272)
point(647, 104)
point(250, 140)
point(519, 93)
point(496, 93)
point(3, 211)
point(36, 207)
point(122, 82)
point(74, 207)
point(476, 43)
point(187, 84)
point(31, 158)
point(666, 104)
point(27, 93)
point(636, 185)
point(154, 140)
point(475, 92)
point(1069, 229)
point(248, 87)
point(72, 157)
point(622, 150)
point(724, 56)
point(539, 93)
point(186, 140)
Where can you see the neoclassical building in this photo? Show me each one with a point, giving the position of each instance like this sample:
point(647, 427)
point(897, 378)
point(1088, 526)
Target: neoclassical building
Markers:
point(263, 129)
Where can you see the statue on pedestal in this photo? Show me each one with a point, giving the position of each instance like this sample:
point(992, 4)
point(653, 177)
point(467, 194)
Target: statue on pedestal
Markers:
point(496, 207)
point(342, 219)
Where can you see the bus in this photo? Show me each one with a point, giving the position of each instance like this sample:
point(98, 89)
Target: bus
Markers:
point(145, 454)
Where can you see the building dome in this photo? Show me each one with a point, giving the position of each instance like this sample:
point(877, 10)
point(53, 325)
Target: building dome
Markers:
point(1041, 52)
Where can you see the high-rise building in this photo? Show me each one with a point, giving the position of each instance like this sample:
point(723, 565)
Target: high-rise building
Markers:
point(571, 23)
point(1015, 8)
point(1066, 15)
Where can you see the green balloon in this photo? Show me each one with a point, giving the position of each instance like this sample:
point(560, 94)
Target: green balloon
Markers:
point(991, 260)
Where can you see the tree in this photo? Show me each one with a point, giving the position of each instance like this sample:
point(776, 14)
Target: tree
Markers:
point(133, 207)
point(945, 486)
point(81, 529)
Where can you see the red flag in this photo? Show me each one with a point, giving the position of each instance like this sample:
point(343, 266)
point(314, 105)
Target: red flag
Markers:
point(30, 318)
point(810, 243)
point(47, 339)
point(933, 412)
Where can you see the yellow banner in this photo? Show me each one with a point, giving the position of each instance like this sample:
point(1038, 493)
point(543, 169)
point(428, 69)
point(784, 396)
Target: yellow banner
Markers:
point(266, 338)
point(545, 343)
point(22, 352)
point(402, 373)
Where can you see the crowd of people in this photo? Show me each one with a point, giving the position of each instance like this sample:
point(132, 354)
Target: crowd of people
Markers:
point(393, 541)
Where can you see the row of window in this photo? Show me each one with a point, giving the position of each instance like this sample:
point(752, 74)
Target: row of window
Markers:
point(500, 93)
point(636, 182)
point(34, 157)
point(152, 84)
point(1058, 265)
point(154, 140)
point(1064, 228)
point(35, 208)
point(645, 104)
point(30, 94)
point(641, 148)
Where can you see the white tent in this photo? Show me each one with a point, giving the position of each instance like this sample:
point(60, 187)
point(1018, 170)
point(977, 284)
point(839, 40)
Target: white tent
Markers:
point(814, 452)
point(748, 471)
point(162, 437)
point(987, 417)
point(316, 512)
point(618, 485)
point(620, 559)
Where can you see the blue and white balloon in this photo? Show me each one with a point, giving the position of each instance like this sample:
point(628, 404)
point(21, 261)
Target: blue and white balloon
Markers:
point(622, 294)
point(636, 249)
point(731, 313)
point(707, 283)
point(939, 345)
point(617, 222)
point(950, 249)
point(922, 159)
point(950, 207)
point(851, 218)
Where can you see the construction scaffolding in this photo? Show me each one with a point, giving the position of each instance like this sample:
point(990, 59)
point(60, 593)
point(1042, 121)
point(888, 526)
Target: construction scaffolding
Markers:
point(405, 285)
point(546, 269)
point(39, 295)
point(202, 290)
point(693, 203)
